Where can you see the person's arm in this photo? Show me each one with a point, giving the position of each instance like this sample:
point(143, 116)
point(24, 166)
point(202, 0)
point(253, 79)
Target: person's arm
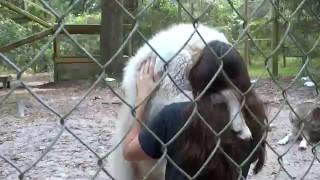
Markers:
point(146, 82)
point(132, 150)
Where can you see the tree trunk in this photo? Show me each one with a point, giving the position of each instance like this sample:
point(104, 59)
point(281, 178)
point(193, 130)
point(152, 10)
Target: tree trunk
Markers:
point(111, 36)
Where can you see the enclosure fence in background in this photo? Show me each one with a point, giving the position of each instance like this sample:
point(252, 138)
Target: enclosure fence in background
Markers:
point(244, 35)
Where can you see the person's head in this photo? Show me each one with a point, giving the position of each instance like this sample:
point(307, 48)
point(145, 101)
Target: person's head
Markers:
point(197, 141)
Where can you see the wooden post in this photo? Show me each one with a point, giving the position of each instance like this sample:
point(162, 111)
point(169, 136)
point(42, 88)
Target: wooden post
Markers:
point(131, 6)
point(246, 42)
point(54, 56)
point(192, 8)
point(111, 35)
point(284, 61)
point(275, 38)
point(179, 12)
point(20, 108)
point(303, 61)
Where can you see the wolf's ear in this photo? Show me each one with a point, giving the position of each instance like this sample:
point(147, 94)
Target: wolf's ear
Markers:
point(316, 113)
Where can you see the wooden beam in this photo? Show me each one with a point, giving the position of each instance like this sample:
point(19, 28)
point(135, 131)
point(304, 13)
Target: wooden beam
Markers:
point(82, 29)
point(30, 16)
point(26, 40)
point(74, 60)
point(275, 39)
point(72, 29)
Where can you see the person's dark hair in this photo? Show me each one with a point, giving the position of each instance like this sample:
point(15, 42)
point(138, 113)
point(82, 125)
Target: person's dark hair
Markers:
point(197, 142)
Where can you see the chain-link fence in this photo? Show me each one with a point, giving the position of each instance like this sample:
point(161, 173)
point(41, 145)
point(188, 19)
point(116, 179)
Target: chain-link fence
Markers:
point(280, 161)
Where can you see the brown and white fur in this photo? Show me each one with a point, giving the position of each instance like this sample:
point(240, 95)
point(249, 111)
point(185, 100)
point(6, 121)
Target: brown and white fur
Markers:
point(166, 43)
point(308, 119)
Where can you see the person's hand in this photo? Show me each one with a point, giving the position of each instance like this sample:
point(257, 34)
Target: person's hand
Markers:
point(146, 80)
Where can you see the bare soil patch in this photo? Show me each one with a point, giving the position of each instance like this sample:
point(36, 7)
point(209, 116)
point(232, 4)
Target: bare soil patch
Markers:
point(24, 139)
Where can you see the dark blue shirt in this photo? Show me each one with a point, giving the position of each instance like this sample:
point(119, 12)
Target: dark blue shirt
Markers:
point(165, 125)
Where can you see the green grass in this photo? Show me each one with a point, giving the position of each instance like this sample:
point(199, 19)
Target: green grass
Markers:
point(3, 70)
point(257, 68)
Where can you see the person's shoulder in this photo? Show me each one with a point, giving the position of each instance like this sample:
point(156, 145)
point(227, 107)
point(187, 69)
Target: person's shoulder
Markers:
point(176, 106)
point(173, 118)
point(174, 109)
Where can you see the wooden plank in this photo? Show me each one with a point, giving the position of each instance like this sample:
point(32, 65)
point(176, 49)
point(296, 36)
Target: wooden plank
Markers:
point(26, 40)
point(296, 52)
point(75, 71)
point(84, 56)
point(85, 28)
point(312, 25)
point(82, 29)
point(73, 60)
point(262, 39)
point(30, 16)
point(6, 77)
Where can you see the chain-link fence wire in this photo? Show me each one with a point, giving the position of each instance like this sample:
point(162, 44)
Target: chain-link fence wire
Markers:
point(195, 20)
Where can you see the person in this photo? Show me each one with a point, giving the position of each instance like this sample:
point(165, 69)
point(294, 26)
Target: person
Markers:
point(199, 140)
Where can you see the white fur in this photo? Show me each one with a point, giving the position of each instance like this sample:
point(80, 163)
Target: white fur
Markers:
point(285, 140)
point(302, 145)
point(238, 125)
point(166, 43)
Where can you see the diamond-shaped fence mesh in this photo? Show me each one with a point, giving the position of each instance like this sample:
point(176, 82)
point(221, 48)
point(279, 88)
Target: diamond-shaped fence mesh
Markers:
point(73, 142)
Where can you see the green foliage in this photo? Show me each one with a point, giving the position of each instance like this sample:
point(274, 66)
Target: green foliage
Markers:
point(166, 13)
point(292, 68)
point(82, 7)
point(14, 30)
point(89, 42)
point(84, 19)
point(313, 67)
point(156, 18)
point(309, 7)
point(69, 49)
point(160, 15)
point(11, 30)
point(12, 33)
point(258, 68)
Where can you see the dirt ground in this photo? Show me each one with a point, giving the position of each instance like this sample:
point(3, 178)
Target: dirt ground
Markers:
point(24, 139)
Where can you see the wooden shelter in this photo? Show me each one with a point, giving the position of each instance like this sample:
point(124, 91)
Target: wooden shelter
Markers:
point(68, 66)
point(71, 65)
